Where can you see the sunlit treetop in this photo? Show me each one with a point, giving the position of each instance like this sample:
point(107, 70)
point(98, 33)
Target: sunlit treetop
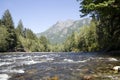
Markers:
point(93, 6)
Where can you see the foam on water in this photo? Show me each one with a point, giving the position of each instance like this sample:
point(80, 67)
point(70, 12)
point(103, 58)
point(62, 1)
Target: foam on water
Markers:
point(101, 58)
point(43, 56)
point(72, 61)
point(4, 77)
point(13, 71)
point(49, 59)
point(5, 63)
point(112, 59)
point(68, 60)
point(17, 71)
point(54, 55)
point(83, 61)
point(29, 62)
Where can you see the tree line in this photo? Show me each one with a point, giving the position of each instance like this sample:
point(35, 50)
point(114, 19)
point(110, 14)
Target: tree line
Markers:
point(103, 33)
point(85, 40)
point(19, 38)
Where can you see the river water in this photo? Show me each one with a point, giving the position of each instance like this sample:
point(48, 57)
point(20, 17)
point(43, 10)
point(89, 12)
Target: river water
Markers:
point(57, 66)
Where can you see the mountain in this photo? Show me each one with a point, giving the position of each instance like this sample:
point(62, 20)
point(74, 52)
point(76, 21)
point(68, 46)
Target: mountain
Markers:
point(62, 29)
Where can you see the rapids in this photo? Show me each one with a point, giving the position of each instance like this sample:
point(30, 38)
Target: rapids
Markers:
point(66, 66)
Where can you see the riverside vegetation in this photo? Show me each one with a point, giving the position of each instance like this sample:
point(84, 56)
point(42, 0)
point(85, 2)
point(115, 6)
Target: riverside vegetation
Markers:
point(103, 33)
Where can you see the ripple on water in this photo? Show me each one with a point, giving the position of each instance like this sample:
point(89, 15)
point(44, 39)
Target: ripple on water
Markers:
point(72, 61)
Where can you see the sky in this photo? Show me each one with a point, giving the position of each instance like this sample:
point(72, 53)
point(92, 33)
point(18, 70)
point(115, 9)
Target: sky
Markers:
point(39, 15)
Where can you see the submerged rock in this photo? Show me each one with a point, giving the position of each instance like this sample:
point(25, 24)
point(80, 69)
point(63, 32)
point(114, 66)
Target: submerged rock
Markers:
point(53, 78)
point(88, 77)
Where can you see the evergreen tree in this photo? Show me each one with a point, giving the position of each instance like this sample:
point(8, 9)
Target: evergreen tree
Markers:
point(29, 34)
point(44, 41)
point(20, 28)
point(107, 12)
point(19, 31)
point(8, 23)
point(0, 22)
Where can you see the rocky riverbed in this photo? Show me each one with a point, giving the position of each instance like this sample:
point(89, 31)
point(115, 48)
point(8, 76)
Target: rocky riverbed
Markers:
point(58, 66)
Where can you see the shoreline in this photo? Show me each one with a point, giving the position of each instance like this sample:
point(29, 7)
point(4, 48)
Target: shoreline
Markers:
point(111, 53)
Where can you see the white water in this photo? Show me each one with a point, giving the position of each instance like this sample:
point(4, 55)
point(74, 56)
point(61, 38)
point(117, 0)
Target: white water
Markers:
point(16, 64)
point(112, 59)
point(13, 71)
point(4, 77)
point(5, 63)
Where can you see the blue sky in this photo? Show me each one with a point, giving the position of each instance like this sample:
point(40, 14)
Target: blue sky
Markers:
point(39, 15)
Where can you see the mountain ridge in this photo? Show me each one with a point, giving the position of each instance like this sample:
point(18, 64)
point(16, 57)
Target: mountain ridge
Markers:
point(59, 31)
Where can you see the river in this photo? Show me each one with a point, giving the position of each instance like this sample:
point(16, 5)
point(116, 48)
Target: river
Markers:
point(57, 66)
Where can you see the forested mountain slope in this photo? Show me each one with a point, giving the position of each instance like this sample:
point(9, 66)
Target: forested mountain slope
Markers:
point(62, 29)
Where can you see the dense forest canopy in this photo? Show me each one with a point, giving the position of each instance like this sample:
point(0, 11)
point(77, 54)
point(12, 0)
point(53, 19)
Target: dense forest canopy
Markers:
point(107, 14)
